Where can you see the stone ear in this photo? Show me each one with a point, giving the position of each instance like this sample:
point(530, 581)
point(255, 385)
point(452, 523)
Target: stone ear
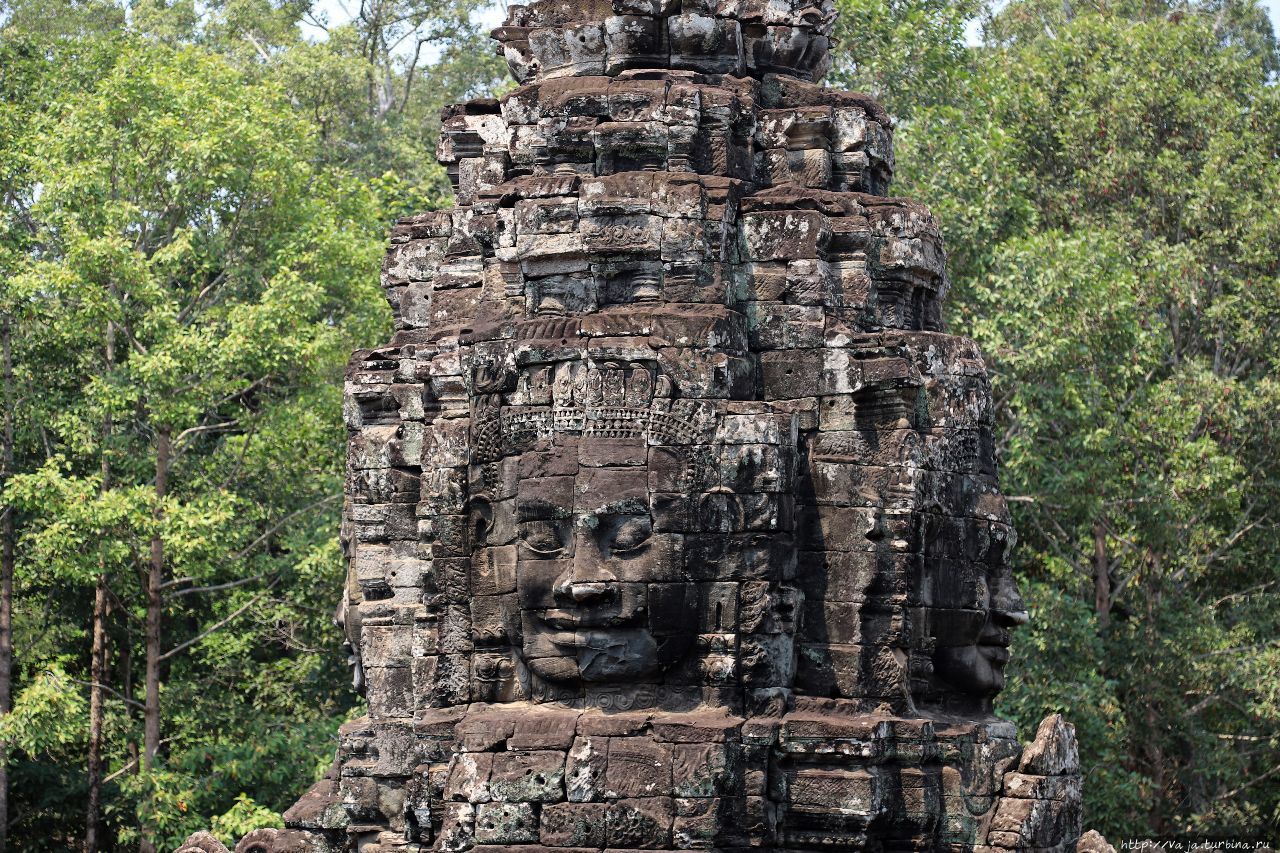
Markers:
point(480, 512)
point(720, 511)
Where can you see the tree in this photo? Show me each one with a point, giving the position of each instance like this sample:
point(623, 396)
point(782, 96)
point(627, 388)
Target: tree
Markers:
point(195, 230)
point(7, 536)
point(907, 53)
point(193, 214)
point(20, 71)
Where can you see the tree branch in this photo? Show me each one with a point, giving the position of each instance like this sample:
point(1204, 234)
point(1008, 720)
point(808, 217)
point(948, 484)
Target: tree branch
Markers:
point(265, 58)
point(217, 626)
point(133, 762)
point(109, 689)
point(409, 74)
point(196, 430)
point(1236, 650)
point(244, 450)
point(1255, 780)
point(1242, 593)
point(221, 276)
point(1232, 540)
point(195, 590)
point(281, 523)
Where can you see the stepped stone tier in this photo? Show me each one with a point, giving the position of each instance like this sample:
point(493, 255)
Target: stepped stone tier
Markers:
point(672, 514)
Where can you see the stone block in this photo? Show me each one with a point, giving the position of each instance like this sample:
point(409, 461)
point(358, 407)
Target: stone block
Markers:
point(535, 776)
point(1053, 751)
point(574, 825)
point(639, 823)
point(638, 767)
point(585, 767)
point(505, 823)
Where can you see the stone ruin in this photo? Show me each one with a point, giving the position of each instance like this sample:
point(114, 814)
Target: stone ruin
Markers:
point(672, 514)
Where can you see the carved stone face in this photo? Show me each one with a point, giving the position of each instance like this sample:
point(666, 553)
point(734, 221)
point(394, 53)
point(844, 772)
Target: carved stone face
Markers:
point(600, 588)
point(979, 608)
point(977, 667)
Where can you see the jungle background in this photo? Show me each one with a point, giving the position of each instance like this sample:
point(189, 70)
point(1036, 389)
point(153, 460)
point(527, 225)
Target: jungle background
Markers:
point(195, 202)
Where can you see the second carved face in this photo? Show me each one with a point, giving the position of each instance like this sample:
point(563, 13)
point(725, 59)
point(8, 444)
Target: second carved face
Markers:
point(976, 606)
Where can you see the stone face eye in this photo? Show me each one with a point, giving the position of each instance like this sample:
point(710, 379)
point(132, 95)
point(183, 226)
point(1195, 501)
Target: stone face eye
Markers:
point(542, 537)
point(631, 535)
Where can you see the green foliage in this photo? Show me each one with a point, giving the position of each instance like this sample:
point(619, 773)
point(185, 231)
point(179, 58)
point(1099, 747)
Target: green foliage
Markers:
point(907, 53)
point(377, 109)
point(47, 716)
point(1055, 671)
point(205, 785)
point(244, 817)
point(194, 213)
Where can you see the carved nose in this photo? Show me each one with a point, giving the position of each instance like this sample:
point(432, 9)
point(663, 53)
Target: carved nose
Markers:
point(587, 580)
point(1007, 604)
point(593, 590)
point(586, 593)
point(1015, 617)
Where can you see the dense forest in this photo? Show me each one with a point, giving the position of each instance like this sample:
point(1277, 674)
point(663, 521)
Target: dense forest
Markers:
point(195, 200)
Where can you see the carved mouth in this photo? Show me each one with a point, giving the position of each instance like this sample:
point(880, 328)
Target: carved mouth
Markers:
point(994, 635)
point(578, 641)
point(565, 620)
point(566, 639)
point(994, 652)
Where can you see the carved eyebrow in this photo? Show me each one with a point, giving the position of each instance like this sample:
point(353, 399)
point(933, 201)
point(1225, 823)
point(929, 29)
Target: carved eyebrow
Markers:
point(537, 509)
point(626, 506)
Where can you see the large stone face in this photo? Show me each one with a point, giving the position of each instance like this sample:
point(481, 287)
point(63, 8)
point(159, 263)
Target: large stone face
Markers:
point(672, 515)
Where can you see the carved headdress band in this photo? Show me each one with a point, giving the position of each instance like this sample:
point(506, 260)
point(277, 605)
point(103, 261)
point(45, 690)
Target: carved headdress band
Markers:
point(610, 400)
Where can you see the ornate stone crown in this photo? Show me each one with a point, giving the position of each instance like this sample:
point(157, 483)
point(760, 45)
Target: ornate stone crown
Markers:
point(610, 400)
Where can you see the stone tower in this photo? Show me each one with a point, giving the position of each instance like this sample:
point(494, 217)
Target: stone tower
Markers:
point(672, 515)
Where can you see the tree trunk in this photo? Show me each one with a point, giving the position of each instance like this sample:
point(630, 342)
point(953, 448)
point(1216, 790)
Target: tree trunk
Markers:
point(1154, 714)
point(126, 686)
point(7, 533)
point(98, 663)
point(1101, 575)
point(98, 668)
point(155, 577)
